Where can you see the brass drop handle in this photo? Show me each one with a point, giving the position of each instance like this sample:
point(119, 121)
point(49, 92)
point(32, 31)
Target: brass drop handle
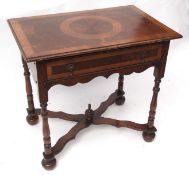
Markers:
point(70, 68)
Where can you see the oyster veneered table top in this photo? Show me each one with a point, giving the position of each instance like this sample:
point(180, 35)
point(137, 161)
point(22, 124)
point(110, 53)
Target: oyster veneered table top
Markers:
point(46, 36)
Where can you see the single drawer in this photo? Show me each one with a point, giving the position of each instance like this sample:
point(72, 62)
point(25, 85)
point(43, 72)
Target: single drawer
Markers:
point(107, 60)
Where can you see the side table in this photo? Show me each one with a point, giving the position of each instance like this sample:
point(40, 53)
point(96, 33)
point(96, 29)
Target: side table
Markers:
point(75, 47)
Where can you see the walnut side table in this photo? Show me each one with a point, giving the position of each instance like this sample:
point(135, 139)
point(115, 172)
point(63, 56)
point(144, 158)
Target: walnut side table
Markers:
point(76, 47)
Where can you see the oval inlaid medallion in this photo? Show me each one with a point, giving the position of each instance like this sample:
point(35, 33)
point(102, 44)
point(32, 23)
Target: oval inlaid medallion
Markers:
point(90, 27)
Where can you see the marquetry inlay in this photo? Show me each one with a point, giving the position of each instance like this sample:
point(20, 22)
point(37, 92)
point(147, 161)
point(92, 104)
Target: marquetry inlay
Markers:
point(90, 27)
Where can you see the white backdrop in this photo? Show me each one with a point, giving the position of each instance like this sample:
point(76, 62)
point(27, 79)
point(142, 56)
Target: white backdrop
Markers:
point(98, 149)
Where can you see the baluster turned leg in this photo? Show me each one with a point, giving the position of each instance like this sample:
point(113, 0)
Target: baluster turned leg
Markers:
point(32, 117)
point(48, 161)
point(149, 133)
point(120, 93)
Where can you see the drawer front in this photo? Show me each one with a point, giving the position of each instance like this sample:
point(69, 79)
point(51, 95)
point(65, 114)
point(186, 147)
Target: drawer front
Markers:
point(105, 61)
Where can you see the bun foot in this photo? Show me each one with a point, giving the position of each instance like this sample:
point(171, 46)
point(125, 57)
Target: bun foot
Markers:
point(48, 164)
point(120, 100)
point(32, 119)
point(149, 134)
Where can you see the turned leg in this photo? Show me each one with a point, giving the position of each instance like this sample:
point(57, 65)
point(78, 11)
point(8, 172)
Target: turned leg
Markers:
point(149, 133)
point(32, 117)
point(120, 93)
point(48, 161)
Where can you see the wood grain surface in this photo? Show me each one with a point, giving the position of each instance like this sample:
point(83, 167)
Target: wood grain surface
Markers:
point(48, 36)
